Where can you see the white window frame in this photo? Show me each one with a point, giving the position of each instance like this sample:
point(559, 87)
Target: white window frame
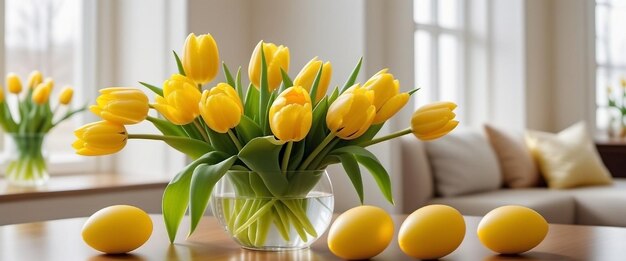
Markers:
point(435, 31)
point(85, 77)
point(609, 68)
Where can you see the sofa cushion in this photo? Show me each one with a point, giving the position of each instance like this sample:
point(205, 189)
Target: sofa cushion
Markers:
point(601, 205)
point(568, 159)
point(554, 206)
point(417, 179)
point(517, 166)
point(463, 162)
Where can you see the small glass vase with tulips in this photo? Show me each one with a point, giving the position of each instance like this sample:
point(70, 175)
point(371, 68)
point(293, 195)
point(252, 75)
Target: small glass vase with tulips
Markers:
point(617, 102)
point(26, 116)
point(260, 153)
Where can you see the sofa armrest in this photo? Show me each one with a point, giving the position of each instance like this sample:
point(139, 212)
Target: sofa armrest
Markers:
point(417, 180)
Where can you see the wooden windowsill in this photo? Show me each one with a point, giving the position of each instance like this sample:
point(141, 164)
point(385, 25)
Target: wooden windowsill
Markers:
point(71, 185)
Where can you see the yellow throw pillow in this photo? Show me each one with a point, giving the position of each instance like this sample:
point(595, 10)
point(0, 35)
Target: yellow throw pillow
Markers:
point(568, 159)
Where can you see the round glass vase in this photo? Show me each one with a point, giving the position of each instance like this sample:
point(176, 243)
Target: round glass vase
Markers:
point(26, 162)
point(257, 220)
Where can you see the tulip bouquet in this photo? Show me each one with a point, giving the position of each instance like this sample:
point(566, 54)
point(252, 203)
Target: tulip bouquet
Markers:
point(280, 133)
point(27, 126)
point(617, 101)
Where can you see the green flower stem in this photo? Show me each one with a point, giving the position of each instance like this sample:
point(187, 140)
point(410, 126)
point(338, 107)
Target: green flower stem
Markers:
point(235, 140)
point(316, 162)
point(316, 151)
point(384, 138)
point(201, 130)
point(161, 137)
point(286, 156)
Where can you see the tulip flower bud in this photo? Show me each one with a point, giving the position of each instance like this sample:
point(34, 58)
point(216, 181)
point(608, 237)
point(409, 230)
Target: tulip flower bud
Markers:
point(623, 82)
point(179, 103)
point(100, 138)
point(66, 95)
point(275, 58)
point(50, 82)
point(201, 59)
point(352, 113)
point(34, 79)
point(307, 75)
point(221, 108)
point(1, 95)
point(387, 97)
point(433, 120)
point(121, 105)
point(13, 83)
point(42, 93)
point(291, 114)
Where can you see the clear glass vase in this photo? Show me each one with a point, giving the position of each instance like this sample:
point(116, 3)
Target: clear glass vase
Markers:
point(26, 162)
point(257, 220)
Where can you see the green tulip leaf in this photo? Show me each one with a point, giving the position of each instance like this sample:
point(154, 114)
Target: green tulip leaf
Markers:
point(176, 194)
point(228, 75)
point(261, 155)
point(368, 135)
point(191, 131)
point(222, 142)
point(316, 83)
point(333, 96)
point(202, 182)
point(351, 166)
point(153, 88)
point(373, 165)
point(238, 85)
point(264, 92)
point(353, 76)
point(191, 147)
point(179, 65)
point(248, 129)
point(166, 127)
point(297, 154)
point(266, 127)
point(317, 133)
point(329, 160)
point(251, 106)
point(287, 82)
point(301, 182)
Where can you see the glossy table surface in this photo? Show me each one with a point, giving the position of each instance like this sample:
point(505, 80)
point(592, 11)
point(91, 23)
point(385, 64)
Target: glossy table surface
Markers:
point(61, 240)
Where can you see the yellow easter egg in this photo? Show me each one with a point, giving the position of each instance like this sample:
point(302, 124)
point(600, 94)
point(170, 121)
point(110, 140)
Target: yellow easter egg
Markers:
point(512, 229)
point(360, 233)
point(432, 232)
point(117, 229)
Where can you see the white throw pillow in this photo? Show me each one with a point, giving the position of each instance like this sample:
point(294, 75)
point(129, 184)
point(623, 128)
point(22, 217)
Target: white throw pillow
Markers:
point(463, 162)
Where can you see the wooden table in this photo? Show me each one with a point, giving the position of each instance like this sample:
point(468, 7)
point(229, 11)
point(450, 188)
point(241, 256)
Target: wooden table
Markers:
point(61, 240)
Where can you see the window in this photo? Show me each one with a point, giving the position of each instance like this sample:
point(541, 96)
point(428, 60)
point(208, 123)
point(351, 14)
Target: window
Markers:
point(610, 21)
point(439, 41)
point(50, 36)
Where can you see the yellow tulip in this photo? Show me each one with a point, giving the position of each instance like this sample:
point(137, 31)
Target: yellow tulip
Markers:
point(34, 79)
point(100, 138)
point(623, 82)
point(291, 114)
point(13, 83)
point(221, 108)
point(66, 95)
point(49, 81)
point(307, 75)
point(179, 103)
point(275, 58)
point(387, 97)
point(42, 93)
point(1, 96)
point(201, 59)
point(352, 113)
point(433, 120)
point(121, 105)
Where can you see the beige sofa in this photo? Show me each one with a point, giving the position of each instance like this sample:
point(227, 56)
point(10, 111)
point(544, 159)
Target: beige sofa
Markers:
point(599, 205)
